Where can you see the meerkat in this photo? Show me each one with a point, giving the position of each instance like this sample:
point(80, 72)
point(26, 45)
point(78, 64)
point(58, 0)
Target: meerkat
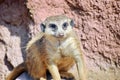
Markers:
point(56, 49)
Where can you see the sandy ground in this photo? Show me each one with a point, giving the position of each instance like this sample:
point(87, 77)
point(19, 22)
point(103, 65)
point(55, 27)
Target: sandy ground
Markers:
point(104, 75)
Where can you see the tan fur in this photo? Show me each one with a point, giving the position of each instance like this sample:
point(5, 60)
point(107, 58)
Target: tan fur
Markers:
point(48, 51)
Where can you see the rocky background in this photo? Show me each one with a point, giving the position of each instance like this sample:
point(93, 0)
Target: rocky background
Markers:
point(97, 24)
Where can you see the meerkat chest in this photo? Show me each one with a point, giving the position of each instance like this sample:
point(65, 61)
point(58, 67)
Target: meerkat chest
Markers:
point(61, 50)
point(67, 47)
point(64, 51)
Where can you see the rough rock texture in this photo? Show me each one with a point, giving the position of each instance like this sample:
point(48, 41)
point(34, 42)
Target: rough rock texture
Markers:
point(14, 21)
point(97, 24)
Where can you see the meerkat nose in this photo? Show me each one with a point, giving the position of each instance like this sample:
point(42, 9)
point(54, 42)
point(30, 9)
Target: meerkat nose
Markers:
point(61, 35)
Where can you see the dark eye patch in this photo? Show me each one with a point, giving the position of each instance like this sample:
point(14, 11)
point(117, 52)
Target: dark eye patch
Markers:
point(53, 27)
point(65, 25)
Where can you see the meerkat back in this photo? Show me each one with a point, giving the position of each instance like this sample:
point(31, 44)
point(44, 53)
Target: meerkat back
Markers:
point(35, 52)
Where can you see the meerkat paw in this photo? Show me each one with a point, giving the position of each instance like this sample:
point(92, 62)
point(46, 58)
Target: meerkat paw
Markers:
point(67, 76)
point(42, 78)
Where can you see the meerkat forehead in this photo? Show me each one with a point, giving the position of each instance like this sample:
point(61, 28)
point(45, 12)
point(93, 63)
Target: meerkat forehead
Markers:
point(57, 18)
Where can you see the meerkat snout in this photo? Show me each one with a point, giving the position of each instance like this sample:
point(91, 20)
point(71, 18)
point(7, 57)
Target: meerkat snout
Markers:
point(60, 35)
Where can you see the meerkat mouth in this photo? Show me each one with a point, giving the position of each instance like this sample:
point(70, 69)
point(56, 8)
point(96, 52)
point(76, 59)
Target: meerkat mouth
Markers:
point(59, 37)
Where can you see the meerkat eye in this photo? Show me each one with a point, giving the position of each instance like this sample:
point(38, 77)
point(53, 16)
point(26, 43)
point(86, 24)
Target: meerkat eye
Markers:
point(65, 25)
point(53, 27)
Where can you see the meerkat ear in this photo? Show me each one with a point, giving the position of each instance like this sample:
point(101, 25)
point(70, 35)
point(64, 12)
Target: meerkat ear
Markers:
point(42, 26)
point(72, 23)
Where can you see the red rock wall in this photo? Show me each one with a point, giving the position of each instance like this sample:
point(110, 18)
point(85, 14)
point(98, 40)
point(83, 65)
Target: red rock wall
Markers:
point(14, 34)
point(97, 23)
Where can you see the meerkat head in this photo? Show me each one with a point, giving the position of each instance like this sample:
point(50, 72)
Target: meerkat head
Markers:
point(57, 26)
